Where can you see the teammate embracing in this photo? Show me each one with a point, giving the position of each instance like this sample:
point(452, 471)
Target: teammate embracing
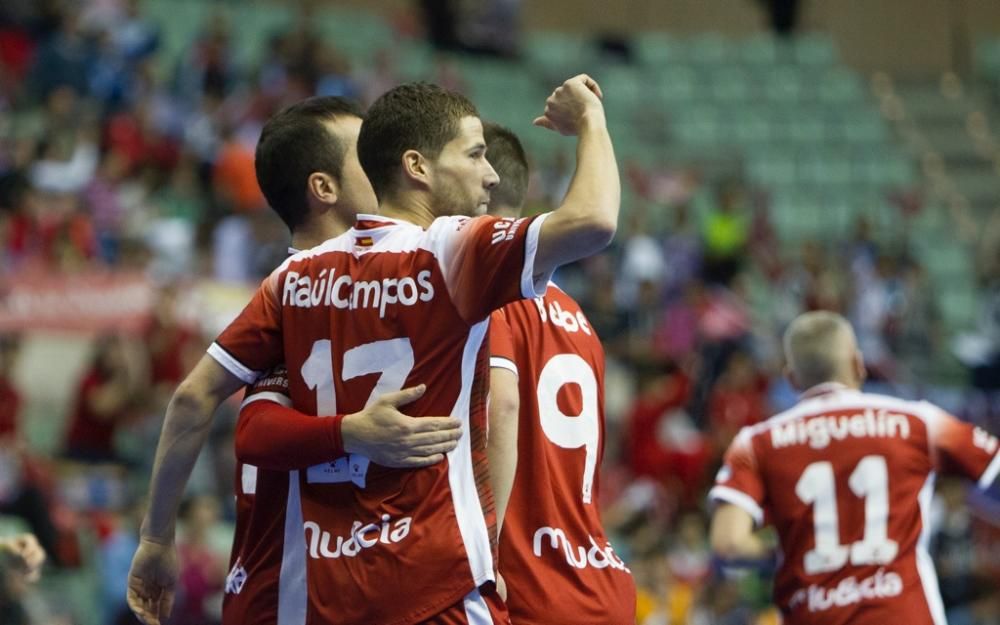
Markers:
point(403, 298)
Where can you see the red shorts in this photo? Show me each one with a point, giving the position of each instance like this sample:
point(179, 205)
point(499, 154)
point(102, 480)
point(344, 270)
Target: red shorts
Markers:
point(482, 606)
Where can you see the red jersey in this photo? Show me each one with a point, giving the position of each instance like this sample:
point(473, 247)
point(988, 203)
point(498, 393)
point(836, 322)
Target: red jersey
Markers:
point(385, 306)
point(266, 582)
point(847, 479)
point(557, 560)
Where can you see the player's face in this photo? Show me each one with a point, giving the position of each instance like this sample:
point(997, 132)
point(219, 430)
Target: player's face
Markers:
point(354, 192)
point(462, 177)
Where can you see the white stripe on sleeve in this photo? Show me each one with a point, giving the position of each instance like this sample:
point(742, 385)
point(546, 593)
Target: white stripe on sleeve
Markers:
point(230, 364)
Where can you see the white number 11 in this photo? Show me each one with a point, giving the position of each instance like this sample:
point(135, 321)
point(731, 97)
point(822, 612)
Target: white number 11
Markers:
point(870, 481)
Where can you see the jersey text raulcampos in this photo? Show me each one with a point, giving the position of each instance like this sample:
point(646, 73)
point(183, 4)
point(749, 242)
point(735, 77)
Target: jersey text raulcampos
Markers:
point(820, 431)
point(328, 289)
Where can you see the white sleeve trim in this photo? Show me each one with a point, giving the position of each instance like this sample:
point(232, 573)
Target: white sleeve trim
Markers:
point(230, 364)
point(530, 287)
point(278, 398)
point(499, 362)
point(738, 499)
point(990, 474)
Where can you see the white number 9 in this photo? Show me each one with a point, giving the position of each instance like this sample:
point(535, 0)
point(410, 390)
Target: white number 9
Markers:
point(571, 431)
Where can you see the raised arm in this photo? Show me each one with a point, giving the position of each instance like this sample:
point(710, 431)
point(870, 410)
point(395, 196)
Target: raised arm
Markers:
point(587, 219)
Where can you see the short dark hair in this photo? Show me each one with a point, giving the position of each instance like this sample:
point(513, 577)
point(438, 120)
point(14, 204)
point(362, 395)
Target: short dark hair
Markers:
point(505, 154)
point(415, 116)
point(294, 144)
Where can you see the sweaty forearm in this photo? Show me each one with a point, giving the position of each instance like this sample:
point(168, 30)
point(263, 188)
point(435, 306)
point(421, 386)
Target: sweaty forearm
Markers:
point(594, 194)
point(502, 453)
point(185, 431)
point(271, 436)
point(501, 448)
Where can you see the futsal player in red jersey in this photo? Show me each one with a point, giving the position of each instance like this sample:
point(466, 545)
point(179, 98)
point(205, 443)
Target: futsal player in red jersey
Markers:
point(308, 169)
point(548, 368)
point(405, 298)
point(846, 478)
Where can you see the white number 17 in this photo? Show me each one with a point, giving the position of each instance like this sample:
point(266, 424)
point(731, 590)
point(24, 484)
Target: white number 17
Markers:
point(392, 358)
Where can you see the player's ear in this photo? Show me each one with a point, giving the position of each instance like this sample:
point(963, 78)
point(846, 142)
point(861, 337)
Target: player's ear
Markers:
point(416, 167)
point(790, 376)
point(323, 187)
point(859, 367)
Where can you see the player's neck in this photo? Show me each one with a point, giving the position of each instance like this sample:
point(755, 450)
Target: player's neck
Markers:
point(317, 230)
point(411, 207)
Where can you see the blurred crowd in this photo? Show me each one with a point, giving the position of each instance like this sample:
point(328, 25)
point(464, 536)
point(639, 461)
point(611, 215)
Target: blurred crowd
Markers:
point(110, 163)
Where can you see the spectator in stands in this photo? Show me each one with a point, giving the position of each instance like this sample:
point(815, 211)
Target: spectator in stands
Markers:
point(173, 347)
point(105, 206)
point(103, 402)
point(21, 492)
point(64, 59)
point(10, 396)
point(681, 252)
point(688, 556)
point(202, 569)
point(209, 69)
point(115, 557)
point(738, 399)
point(21, 559)
point(382, 76)
point(725, 233)
point(985, 362)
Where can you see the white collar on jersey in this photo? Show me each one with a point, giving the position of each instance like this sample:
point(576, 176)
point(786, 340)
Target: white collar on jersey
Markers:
point(823, 389)
point(292, 251)
point(386, 221)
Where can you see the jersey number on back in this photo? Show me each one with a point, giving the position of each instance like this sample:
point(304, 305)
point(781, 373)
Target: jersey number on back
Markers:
point(393, 359)
point(571, 431)
point(870, 481)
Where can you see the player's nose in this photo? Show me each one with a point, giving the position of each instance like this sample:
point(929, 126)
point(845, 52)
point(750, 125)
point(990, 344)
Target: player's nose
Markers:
point(492, 179)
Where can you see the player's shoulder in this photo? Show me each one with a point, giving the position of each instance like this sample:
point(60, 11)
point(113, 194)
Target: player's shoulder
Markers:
point(851, 401)
point(919, 408)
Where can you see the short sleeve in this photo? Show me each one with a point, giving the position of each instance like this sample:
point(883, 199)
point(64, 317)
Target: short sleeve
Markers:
point(488, 261)
point(501, 342)
point(960, 448)
point(252, 343)
point(272, 386)
point(739, 481)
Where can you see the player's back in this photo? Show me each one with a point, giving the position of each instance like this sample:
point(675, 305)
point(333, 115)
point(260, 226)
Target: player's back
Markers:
point(847, 479)
point(259, 578)
point(386, 306)
point(554, 553)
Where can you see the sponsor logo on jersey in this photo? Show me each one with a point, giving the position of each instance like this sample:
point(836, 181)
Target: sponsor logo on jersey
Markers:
point(580, 557)
point(820, 431)
point(236, 579)
point(505, 229)
point(984, 440)
point(562, 318)
point(387, 532)
point(329, 289)
point(881, 585)
point(272, 380)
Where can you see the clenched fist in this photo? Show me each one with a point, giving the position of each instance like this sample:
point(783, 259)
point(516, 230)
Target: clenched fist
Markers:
point(574, 103)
